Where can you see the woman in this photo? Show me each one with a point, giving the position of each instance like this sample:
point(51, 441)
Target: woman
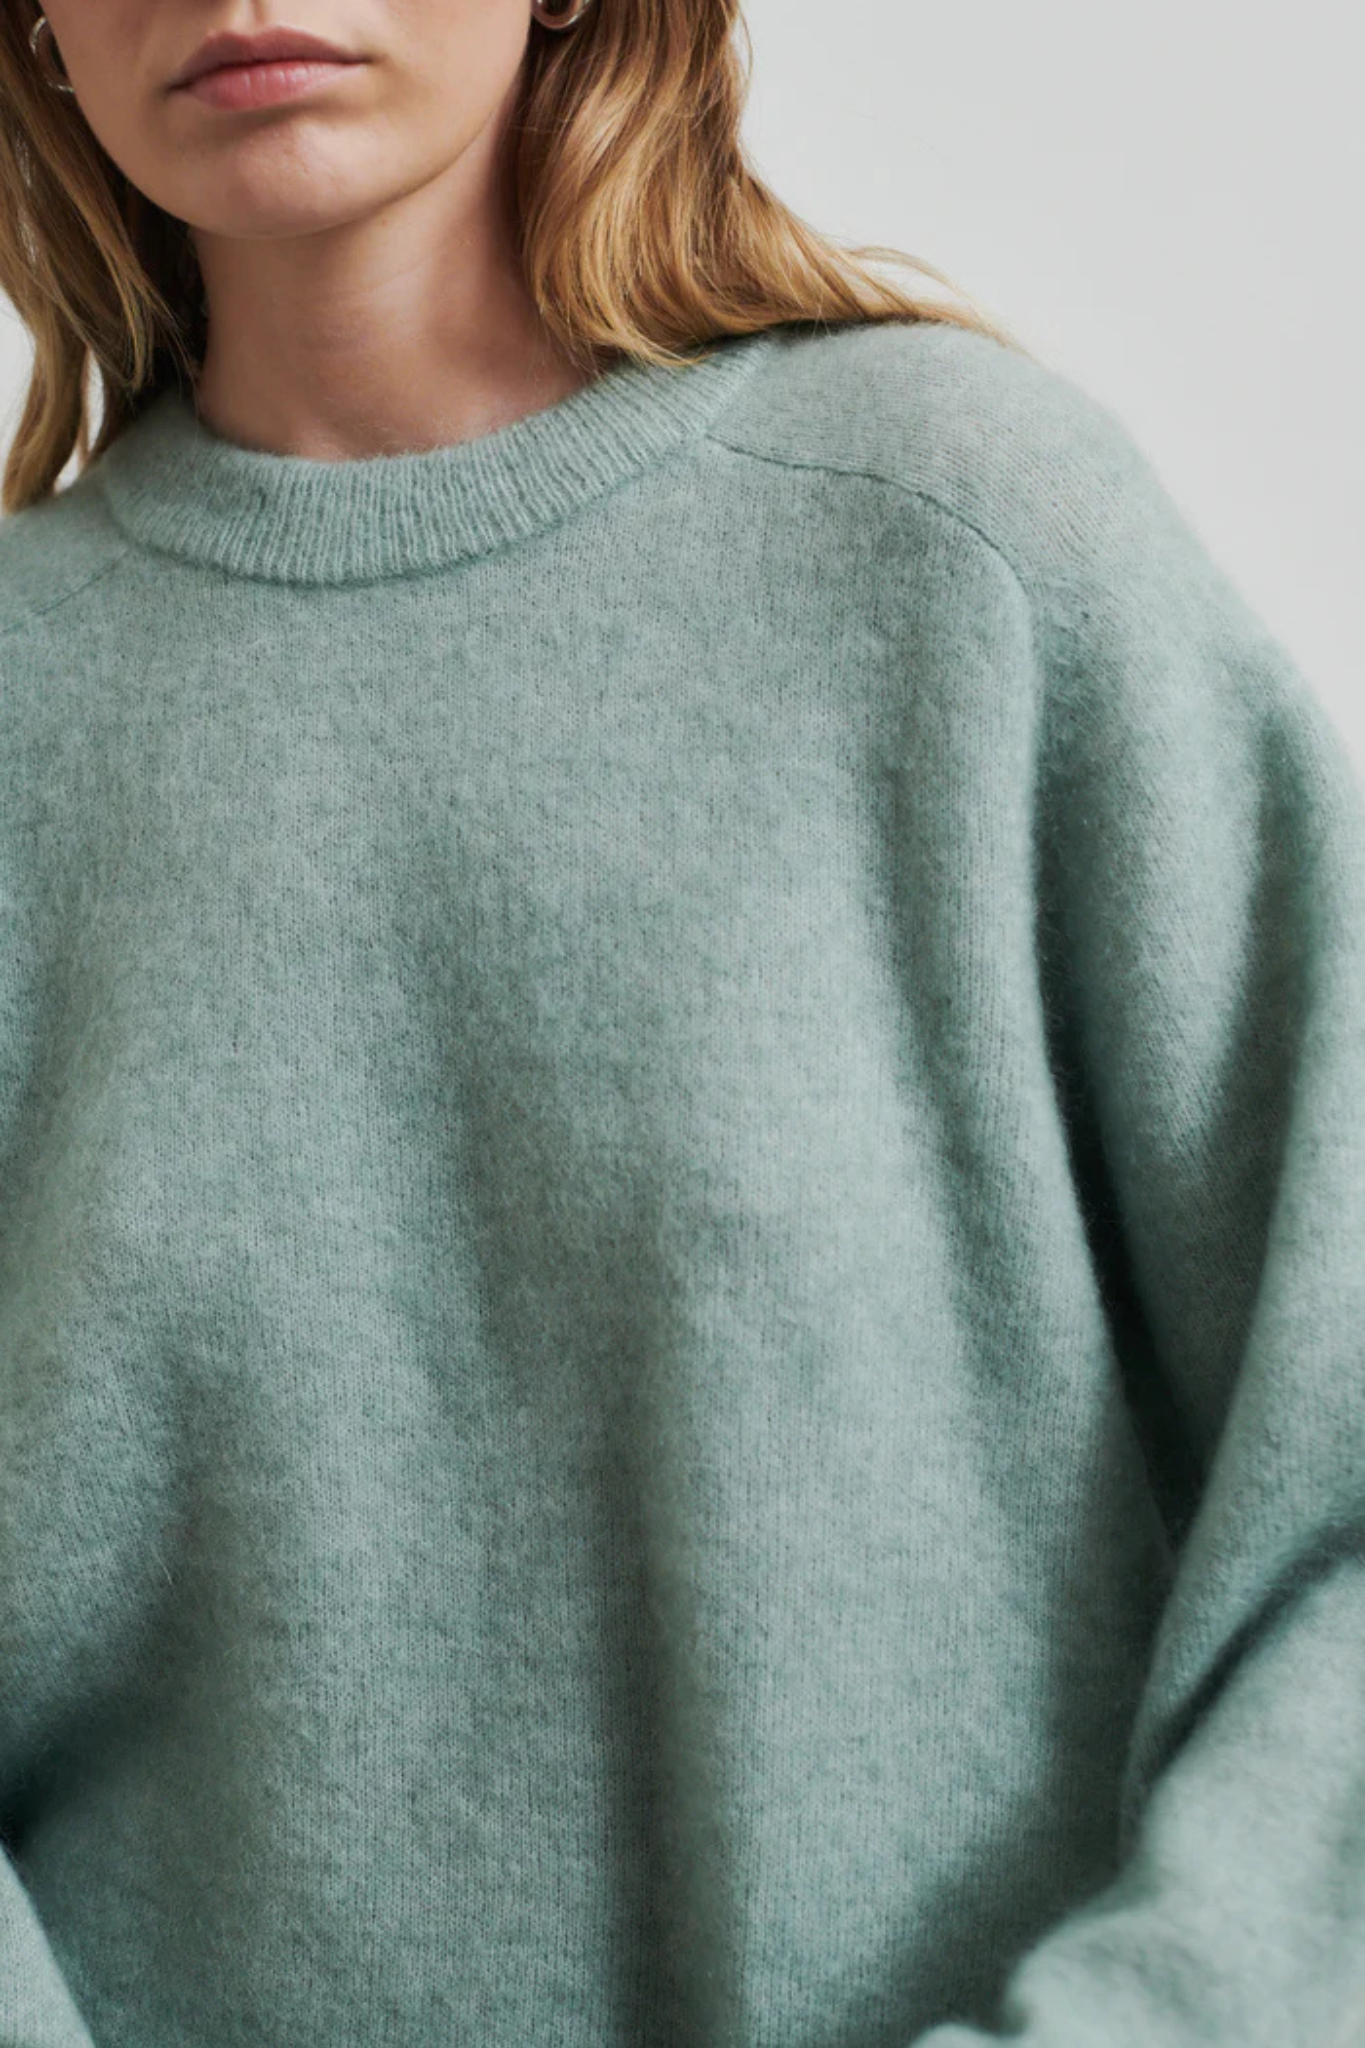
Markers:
point(682, 1107)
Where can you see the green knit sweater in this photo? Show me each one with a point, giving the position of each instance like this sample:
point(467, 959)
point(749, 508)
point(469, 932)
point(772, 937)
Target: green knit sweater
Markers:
point(682, 1238)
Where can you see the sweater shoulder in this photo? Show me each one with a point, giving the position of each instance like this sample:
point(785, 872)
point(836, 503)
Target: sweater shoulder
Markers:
point(1040, 467)
point(50, 551)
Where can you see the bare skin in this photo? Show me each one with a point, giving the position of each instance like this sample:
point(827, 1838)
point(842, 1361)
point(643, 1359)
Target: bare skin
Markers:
point(356, 242)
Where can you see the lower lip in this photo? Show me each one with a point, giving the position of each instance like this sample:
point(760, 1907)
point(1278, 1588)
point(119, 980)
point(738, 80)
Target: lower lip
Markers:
point(261, 85)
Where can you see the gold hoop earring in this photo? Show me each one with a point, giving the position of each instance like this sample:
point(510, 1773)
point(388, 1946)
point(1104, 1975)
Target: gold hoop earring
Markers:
point(58, 80)
point(548, 18)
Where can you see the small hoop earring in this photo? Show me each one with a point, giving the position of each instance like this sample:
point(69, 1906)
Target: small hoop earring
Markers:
point(57, 80)
point(548, 19)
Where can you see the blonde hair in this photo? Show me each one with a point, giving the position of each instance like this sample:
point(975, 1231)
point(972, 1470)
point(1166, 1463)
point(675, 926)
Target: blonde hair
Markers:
point(643, 232)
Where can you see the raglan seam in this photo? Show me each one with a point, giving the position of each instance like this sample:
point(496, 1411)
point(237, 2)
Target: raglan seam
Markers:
point(817, 464)
point(824, 464)
point(41, 609)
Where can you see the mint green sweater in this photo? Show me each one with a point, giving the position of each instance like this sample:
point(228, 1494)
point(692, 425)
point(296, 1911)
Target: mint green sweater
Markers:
point(682, 1238)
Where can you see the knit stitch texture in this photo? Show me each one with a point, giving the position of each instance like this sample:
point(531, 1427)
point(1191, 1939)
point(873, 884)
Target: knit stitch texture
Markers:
point(682, 1238)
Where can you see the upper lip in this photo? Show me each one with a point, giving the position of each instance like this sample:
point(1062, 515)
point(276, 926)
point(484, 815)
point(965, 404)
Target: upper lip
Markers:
point(266, 47)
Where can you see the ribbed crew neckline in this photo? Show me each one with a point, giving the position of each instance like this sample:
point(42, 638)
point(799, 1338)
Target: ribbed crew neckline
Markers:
point(172, 483)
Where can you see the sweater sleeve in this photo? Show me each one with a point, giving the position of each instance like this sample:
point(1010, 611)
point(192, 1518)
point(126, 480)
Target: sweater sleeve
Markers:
point(36, 2007)
point(1200, 834)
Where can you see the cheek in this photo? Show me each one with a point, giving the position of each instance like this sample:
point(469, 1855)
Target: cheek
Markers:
point(466, 55)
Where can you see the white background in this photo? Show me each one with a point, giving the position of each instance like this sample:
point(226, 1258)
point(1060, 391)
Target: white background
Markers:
point(1164, 204)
